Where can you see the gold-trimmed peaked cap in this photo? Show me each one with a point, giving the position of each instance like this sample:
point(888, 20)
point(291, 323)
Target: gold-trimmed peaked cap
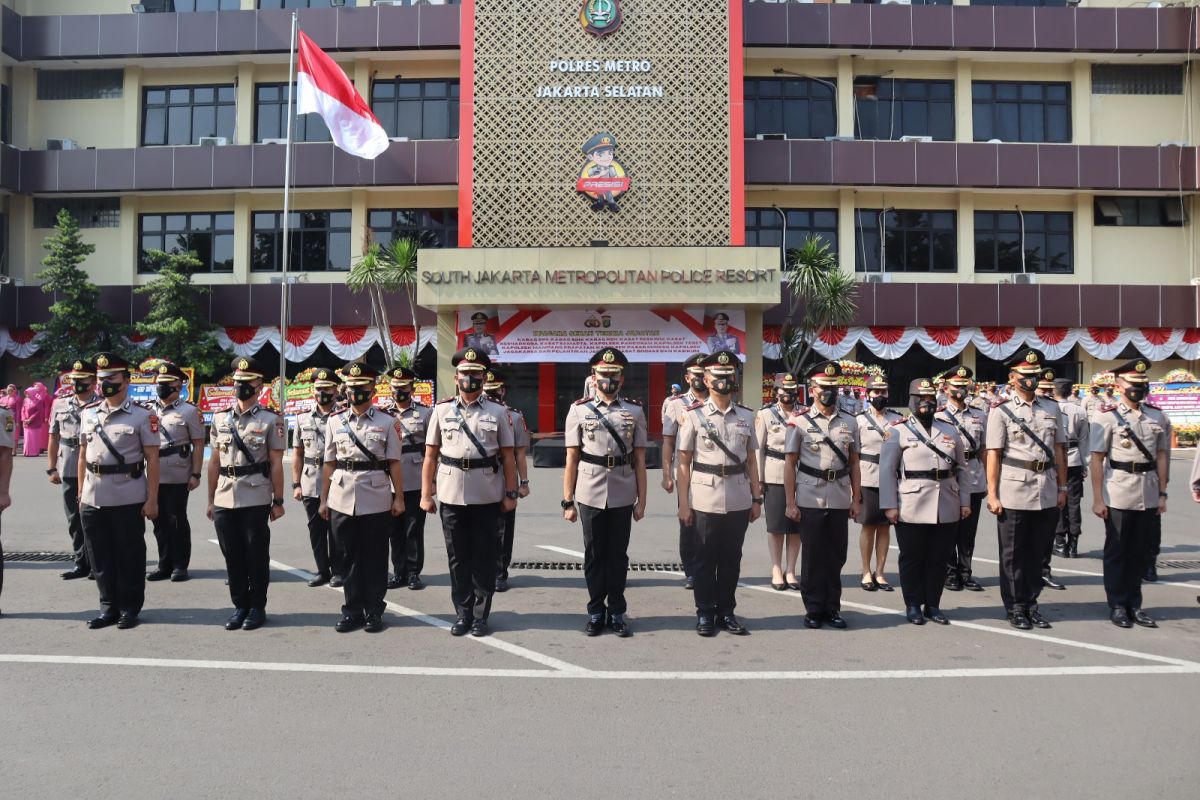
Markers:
point(721, 363)
point(470, 358)
point(1047, 380)
point(245, 368)
point(325, 378)
point(401, 376)
point(958, 375)
point(787, 383)
point(168, 372)
point(493, 379)
point(877, 383)
point(694, 363)
point(608, 359)
point(110, 364)
point(825, 373)
point(79, 370)
point(1135, 371)
point(1027, 362)
point(921, 387)
point(357, 373)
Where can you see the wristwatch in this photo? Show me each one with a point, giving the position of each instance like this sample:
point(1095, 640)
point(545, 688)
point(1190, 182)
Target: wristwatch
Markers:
point(295, 484)
point(524, 483)
point(196, 475)
point(1162, 494)
point(277, 501)
point(567, 504)
point(512, 495)
point(758, 500)
point(1062, 489)
point(52, 470)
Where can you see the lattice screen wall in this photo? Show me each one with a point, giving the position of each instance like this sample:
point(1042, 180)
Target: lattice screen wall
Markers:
point(676, 149)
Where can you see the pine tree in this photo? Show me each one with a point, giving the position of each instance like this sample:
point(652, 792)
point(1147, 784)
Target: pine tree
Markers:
point(177, 319)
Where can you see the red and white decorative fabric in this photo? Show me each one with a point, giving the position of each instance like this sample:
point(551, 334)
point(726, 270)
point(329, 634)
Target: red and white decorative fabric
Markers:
point(346, 342)
point(1157, 344)
point(837, 343)
point(943, 343)
point(996, 343)
point(1189, 344)
point(888, 342)
point(1053, 342)
point(1104, 343)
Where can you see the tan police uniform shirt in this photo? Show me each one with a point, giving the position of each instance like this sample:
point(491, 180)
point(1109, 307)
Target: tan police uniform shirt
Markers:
point(1126, 490)
point(807, 430)
point(673, 410)
point(923, 501)
point(1025, 489)
point(179, 423)
point(714, 494)
point(870, 442)
point(1078, 437)
point(310, 431)
point(361, 492)
point(974, 422)
point(770, 428)
point(516, 418)
point(598, 486)
point(262, 431)
point(489, 423)
point(1091, 404)
point(414, 422)
point(64, 420)
point(7, 426)
point(131, 428)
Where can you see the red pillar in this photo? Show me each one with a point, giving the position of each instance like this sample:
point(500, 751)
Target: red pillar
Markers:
point(547, 380)
point(658, 393)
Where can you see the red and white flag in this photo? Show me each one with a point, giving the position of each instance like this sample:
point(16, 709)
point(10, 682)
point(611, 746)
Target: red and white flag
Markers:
point(323, 88)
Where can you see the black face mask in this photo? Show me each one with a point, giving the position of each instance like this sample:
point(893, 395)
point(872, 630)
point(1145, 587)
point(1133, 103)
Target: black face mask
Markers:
point(111, 388)
point(879, 402)
point(470, 383)
point(164, 391)
point(958, 394)
point(697, 384)
point(786, 399)
point(1135, 395)
point(325, 398)
point(494, 396)
point(724, 386)
point(923, 408)
point(246, 391)
point(401, 395)
point(1027, 384)
point(827, 397)
point(82, 387)
point(359, 397)
point(608, 386)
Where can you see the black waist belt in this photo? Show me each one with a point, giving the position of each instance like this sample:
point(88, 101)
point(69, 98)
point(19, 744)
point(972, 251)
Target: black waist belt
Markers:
point(134, 470)
point(469, 463)
point(971, 455)
point(724, 470)
point(71, 441)
point(361, 466)
point(1074, 443)
point(604, 461)
point(1130, 466)
point(775, 454)
point(412, 448)
point(1036, 466)
point(313, 462)
point(930, 474)
point(182, 449)
point(825, 474)
point(263, 468)
point(872, 457)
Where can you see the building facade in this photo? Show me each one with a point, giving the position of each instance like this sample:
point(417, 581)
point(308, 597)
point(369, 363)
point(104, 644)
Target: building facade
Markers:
point(994, 173)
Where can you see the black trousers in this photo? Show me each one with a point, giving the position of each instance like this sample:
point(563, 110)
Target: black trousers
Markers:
point(605, 556)
point(327, 553)
point(245, 538)
point(1070, 517)
point(923, 551)
point(408, 537)
point(1, 567)
point(1128, 549)
point(823, 534)
point(472, 547)
point(70, 490)
point(687, 548)
point(718, 560)
point(364, 541)
point(1024, 537)
point(962, 548)
point(116, 543)
point(172, 530)
point(507, 530)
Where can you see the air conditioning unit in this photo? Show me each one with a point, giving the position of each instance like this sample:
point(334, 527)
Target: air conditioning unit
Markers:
point(877, 277)
point(398, 139)
point(213, 141)
point(274, 141)
point(62, 144)
point(916, 138)
point(1195, 281)
point(897, 2)
point(1024, 277)
point(840, 139)
point(391, 3)
point(771, 137)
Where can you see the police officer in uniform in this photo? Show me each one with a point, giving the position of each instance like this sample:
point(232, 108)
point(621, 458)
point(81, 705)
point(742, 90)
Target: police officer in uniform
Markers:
point(408, 530)
point(923, 489)
point(823, 493)
point(970, 423)
point(469, 450)
point(721, 338)
point(604, 486)
point(362, 490)
point(7, 425)
point(874, 428)
point(1026, 469)
point(1130, 470)
point(783, 534)
point(118, 491)
point(1070, 520)
point(479, 338)
point(1045, 389)
point(697, 392)
point(717, 460)
point(1093, 402)
point(308, 458)
point(245, 492)
point(180, 454)
point(63, 452)
point(495, 389)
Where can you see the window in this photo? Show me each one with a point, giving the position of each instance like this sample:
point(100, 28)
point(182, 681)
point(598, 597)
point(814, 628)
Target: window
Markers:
point(914, 241)
point(798, 108)
point(270, 109)
point(762, 227)
point(911, 3)
point(1018, 2)
point(89, 212)
point(80, 84)
point(209, 236)
point(1048, 242)
point(294, 3)
point(417, 109)
point(1022, 112)
point(1147, 212)
point(904, 108)
point(319, 241)
point(435, 227)
point(178, 115)
point(154, 6)
point(1137, 79)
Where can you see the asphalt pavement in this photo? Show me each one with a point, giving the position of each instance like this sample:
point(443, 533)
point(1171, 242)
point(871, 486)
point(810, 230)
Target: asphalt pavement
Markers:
point(181, 707)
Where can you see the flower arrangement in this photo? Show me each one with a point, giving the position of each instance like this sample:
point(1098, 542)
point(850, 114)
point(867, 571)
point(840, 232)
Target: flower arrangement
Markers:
point(1179, 376)
point(853, 373)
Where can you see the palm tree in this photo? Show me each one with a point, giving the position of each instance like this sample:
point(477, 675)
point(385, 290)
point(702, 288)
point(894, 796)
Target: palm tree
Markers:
point(383, 270)
point(828, 297)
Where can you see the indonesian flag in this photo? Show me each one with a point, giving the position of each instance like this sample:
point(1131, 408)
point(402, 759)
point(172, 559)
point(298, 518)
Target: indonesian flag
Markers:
point(323, 88)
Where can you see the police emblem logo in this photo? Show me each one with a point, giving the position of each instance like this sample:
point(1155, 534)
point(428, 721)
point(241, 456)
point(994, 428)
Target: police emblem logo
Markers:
point(470, 355)
point(102, 361)
point(491, 376)
point(788, 379)
point(962, 372)
point(1140, 366)
point(77, 365)
point(163, 370)
point(1032, 358)
point(355, 371)
point(243, 364)
point(831, 370)
point(8, 423)
point(925, 384)
point(608, 357)
point(723, 358)
point(601, 17)
point(322, 375)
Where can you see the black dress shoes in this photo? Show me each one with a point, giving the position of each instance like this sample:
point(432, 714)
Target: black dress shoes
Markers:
point(1120, 618)
point(795, 587)
point(835, 621)
point(414, 583)
point(234, 623)
point(595, 625)
point(729, 624)
point(1049, 582)
point(913, 614)
point(158, 575)
point(972, 585)
point(705, 626)
point(1019, 621)
point(127, 620)
point(502, 584)
point(319, 579)
point(180, 575)
point(102, 621)
point(954, 583)
point(1151, 575)
point(1141, 618)
point(397, 582)
point(812, 621)
point(460, 627)
point(934, 614)
point(689, 583)
point(254, 620)
point(336, 581)
point(1060, 547)
point(1038, 620)
point(77, 572)
point(374, 623)
point(479, 628)
point(619, 626)
point(348, 623)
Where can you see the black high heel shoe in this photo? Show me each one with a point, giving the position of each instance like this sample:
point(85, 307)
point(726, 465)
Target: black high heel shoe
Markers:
point(883, 586)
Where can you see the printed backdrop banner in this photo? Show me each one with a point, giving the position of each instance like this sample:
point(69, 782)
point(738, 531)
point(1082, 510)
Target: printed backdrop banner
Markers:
point(514, 336)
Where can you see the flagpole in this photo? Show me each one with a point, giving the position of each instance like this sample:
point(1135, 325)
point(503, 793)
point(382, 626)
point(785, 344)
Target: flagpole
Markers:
point(287, 209)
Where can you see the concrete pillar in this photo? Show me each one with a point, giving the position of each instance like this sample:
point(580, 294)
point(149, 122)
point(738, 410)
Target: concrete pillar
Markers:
point(964, 124)
point(966, 238)
point(847, 236)
point(245, 105)
point(1084, 224)
point(358, 223)
point(845, 96)
point(131, 90)
point(127, 253)
point(752, 372)
point(241, 238)
point(361, 74)
point(1081, 103)
point(24, 95)
point(447, 344)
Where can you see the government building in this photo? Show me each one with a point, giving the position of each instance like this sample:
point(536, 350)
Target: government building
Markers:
point(585, 172)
